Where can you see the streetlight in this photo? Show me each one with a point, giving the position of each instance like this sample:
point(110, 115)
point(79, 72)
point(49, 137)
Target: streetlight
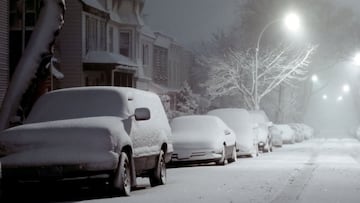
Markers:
point(292, 23)
point(346, 88)
point(356, 59)
point(340, 98)
point(314, 78)
point(325, 97)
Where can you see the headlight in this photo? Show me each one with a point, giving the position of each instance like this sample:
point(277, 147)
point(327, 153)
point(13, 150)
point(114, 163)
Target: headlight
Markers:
point(261, 144)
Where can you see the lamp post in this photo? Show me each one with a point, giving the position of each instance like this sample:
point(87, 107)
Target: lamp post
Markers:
point(292, 22)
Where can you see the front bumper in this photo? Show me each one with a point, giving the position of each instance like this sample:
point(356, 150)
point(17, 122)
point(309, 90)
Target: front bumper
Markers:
point(37, 168)
point(201, 156)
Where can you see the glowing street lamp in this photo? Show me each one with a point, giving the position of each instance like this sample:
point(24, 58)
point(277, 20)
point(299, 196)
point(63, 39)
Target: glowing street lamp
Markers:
point(340, 98)
point(356, 59)
point(346, 88)
point(325, 97)
point(314, 78)
point(292, 22)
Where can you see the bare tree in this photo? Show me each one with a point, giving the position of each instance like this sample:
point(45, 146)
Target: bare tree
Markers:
point(235, 74)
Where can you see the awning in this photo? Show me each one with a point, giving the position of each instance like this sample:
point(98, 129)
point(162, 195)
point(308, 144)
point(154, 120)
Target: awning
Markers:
point(95, 4)
point(105, 57)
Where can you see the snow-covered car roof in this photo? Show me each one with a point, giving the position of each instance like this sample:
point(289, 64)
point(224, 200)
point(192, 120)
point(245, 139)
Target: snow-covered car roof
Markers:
point(82, 102)
point(259, 116)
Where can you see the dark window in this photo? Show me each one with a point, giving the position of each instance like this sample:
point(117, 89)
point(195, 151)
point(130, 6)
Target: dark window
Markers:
point(125, 44)
point(123, 79)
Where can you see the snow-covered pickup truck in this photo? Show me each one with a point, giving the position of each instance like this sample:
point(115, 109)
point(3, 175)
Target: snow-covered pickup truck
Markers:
point(118, 132)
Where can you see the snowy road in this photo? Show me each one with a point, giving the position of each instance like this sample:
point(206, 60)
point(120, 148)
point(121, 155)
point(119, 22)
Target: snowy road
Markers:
point(320, 170)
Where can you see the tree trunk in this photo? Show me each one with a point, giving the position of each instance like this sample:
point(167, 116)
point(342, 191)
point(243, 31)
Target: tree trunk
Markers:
point(40, 44)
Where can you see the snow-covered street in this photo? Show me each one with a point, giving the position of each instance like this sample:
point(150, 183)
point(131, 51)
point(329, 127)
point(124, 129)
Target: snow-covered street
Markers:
point(319, 170)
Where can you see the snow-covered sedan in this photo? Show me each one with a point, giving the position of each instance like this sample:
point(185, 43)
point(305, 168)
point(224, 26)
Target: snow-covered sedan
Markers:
point(240, 122)
point(83, 132)
point(263, 123)
point(276, 136)
point(202, 139)
point(287, 134)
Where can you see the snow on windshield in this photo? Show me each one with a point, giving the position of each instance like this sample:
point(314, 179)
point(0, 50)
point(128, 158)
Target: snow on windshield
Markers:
point(78, 103)
point(197, 126)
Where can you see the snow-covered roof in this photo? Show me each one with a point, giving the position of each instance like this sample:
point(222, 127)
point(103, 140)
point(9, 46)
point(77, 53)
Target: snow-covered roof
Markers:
point(146, 30)
point(162, 41)
point(95, 4)
point(127, 18)
point(107, 58)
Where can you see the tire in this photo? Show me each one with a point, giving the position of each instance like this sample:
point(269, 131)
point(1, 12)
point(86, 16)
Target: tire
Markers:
point(256, 153)
point(223, 160)
point(158, 175)
point(233, 155)
point(122, 177)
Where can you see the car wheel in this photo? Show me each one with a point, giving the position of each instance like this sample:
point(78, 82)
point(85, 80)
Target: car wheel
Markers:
point(255, 153)
point(233, 155)
point(158, 175)
point(122, 178)
point(223, 160)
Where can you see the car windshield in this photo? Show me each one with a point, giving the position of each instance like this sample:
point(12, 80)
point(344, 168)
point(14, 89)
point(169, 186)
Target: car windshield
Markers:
point(196, 126)
point(77, 103)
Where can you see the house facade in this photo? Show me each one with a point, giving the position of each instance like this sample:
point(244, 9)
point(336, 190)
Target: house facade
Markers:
point(103, 42)
point(106, 42)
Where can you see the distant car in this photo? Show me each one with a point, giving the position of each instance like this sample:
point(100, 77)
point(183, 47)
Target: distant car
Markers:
point(299, 133)
point(276, 136)
point(202, 139)
point(263, 123)
point(288, 134)
point(240, 122)
point(308, 131)
point(76, 133)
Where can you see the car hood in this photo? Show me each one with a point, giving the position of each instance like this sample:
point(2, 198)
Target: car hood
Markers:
point(94, 133)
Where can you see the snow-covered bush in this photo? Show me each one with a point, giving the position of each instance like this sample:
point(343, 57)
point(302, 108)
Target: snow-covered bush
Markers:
point(187, 102)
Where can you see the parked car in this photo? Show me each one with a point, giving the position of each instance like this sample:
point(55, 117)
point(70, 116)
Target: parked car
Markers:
point(202, 139)
point(263, 123)
point(276, 136)
point(81, 132)
point(240, 122)
point(308, 131)
point(288, 134)
point(299, 133)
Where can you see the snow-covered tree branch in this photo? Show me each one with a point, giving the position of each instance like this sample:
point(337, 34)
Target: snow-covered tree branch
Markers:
point(234, 72)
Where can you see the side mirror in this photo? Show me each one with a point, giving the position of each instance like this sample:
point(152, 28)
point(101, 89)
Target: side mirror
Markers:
point(142, 114)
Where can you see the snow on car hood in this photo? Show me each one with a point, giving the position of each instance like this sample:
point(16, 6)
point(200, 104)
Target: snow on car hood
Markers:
point(94, 133)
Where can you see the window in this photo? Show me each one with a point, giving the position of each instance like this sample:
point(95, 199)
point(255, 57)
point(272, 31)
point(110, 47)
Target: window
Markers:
point(91, 34)
point(145, 54)
point(160, 72)
point(123, 79)
point(30, 13)
point(23, 17)
point(102, 33)
point(125, 43)
point(111, 39)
